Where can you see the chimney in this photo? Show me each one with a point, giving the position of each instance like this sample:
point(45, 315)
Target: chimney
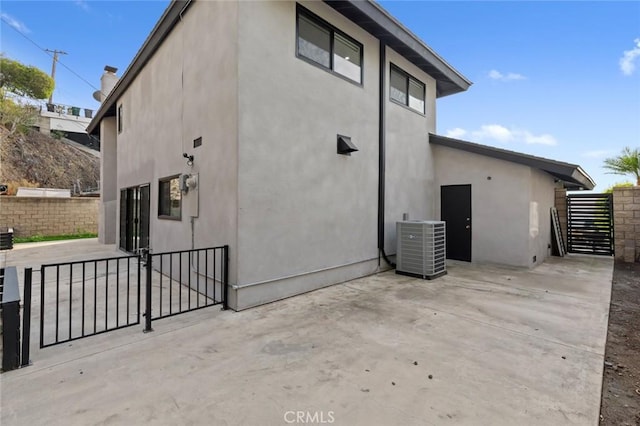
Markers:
point(107, 82)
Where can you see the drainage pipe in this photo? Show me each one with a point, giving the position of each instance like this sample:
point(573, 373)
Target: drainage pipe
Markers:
point(381, 151)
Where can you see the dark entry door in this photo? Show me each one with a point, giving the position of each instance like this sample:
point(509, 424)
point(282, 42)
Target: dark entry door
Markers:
point(455, 210)
point(134, 218)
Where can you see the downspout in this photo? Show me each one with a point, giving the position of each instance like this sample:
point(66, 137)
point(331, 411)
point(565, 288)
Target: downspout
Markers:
point(381, 156)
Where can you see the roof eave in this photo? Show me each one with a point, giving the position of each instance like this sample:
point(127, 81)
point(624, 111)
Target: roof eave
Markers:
point(581, 176)
point(572, 175)
point(449, 81)
point(377, 21)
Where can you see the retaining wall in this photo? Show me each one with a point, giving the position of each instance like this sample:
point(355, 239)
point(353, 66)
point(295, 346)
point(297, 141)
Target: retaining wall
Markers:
point(29, 216)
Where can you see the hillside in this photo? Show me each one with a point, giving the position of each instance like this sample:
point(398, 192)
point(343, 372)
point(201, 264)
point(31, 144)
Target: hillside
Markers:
point(45, 162)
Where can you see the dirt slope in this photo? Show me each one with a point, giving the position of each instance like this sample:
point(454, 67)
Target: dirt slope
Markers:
point(46, 161)
point(621, 383)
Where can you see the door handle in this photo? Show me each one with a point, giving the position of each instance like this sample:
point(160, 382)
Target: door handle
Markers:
point(468, 227)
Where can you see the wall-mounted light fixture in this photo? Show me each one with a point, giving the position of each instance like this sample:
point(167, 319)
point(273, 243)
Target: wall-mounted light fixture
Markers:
point(189, 158)
point(345, 146)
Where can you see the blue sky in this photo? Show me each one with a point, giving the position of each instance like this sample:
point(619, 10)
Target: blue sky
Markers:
point(550, 78)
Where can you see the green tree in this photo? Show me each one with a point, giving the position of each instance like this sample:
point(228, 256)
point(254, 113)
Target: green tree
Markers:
point(610, 189)
point(15, 117)
point(24, 80)
point(627, 163)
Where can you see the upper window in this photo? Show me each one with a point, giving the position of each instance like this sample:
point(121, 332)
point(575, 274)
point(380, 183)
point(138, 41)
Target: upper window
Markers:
point(327, 47)
point(119, 118)
point(170, 198)
point(406, 90)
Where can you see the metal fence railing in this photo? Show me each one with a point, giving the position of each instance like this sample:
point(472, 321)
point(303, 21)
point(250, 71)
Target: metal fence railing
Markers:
point(186, 280)
point(88, 297)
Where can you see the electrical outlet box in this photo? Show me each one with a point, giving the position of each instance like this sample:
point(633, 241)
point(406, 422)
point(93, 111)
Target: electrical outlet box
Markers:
point(191, 196)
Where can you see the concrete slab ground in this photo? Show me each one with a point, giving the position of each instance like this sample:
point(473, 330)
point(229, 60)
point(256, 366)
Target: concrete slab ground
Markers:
point(483, 345)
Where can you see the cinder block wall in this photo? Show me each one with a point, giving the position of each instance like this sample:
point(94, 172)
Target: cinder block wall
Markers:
point(29, 216)
point(561, 206)
point(626, 223)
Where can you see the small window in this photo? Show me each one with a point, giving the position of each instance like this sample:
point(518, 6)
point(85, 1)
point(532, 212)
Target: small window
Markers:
point(119, 118)
point(406, 90)
point(314, 41)
point(323, 45)
point(170, 198)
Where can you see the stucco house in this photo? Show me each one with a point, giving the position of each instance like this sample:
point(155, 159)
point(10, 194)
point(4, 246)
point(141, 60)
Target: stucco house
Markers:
point(298, 133)
point(507, 197)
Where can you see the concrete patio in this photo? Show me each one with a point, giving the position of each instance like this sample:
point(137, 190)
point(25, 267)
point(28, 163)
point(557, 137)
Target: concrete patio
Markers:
point(483, 345)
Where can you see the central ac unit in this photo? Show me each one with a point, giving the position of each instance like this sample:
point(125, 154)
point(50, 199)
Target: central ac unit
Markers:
point(421, 250)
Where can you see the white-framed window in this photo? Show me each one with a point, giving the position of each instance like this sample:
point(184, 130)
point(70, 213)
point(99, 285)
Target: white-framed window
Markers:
point(321, 44)
point(169, 198)
point(406, 90)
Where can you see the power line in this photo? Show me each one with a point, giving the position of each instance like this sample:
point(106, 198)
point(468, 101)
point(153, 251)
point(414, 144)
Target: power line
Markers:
point(47, 53)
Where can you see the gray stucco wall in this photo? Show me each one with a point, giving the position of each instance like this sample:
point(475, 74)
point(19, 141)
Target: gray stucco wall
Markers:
point(107, 211)
point(542, 199)
point(188, 90)
point(302, 207)
point(409, 166)
point(296, 215)
point(500, 207)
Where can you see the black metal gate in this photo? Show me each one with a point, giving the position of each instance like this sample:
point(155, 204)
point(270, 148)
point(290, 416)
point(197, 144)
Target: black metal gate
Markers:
point(89, 297)
point(84, 298)
point(590, 224)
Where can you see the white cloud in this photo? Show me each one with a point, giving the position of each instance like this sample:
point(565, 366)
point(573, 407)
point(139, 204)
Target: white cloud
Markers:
point(543, 139)
point(627, 62)
point(511, 76)
point(502, 134)
point(495, 75)
point(493, 132)
point(11, 21)
point(82, 4)
point(597, 153)
point(456, 133)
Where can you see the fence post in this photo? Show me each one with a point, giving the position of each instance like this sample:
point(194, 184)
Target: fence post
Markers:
point(26, 318)
point(225, 284)
point(42, 303)
point(147, 314)
point(569, 242)
point(612, 230)
point(139, 288)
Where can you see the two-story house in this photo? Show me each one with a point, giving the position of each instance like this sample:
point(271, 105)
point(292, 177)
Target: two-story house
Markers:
point(303, 128)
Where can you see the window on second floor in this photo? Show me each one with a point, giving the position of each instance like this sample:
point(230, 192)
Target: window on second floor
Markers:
point(323, 45)
point(406, 90)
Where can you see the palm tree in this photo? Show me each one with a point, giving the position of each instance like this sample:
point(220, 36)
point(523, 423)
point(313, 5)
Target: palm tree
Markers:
point(627, 163)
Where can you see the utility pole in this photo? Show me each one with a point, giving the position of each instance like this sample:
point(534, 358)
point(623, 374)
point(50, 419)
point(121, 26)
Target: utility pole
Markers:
point(53, 67)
